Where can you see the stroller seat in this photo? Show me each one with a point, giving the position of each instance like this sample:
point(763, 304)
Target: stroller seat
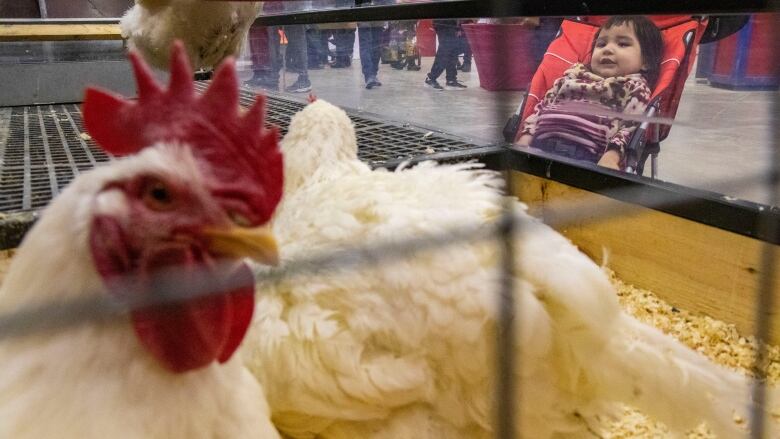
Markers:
point(681, 35)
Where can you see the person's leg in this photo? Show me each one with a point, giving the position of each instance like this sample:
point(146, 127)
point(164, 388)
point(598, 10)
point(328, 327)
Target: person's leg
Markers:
point(324, 45)
point(297, 56)
point(377, 34)
point(566, 148)
point(349, 41)
point(370, 53)
point(274, 56)
point(466, 53)
point(448, 45)
point(258, 48)
point(344, 39)
point(313, 48)
point(439, 60)
point(365, 45)
point(339, 36)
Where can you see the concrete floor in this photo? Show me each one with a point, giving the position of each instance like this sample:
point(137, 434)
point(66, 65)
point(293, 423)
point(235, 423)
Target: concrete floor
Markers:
point(719, 135)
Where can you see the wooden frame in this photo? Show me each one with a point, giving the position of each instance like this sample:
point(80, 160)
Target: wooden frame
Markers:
point(691, 265)
point(59, 32)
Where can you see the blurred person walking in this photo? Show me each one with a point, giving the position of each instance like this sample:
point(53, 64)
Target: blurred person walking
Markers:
point(449, 34)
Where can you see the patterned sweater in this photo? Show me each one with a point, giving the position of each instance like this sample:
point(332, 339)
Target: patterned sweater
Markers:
point(581, 108)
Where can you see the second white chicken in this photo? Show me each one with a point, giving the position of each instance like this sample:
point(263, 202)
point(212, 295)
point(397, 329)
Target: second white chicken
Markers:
point(405, 349)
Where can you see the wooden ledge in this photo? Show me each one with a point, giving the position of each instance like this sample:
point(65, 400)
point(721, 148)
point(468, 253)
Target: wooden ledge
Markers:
point(694, 266)
point(59, 32)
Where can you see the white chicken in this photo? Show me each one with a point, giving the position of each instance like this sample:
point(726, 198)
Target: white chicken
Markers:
point(211, 30)
point(181, 202)
point(405, 349)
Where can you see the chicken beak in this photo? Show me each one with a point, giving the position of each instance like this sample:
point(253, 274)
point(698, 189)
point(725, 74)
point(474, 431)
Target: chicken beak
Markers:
point(257, 243)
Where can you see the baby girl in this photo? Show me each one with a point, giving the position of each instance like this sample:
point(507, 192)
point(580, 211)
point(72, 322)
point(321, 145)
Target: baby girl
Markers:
point(571, 119)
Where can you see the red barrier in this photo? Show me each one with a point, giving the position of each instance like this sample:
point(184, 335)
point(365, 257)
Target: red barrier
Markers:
point(514, 53)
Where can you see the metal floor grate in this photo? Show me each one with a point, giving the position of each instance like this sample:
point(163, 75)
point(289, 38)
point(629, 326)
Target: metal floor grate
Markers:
point(46, 147)
point(44, 151)
point(379, 142)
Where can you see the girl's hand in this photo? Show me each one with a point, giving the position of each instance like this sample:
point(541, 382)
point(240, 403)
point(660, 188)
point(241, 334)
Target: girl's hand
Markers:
point(610, 159)
point(524, 140)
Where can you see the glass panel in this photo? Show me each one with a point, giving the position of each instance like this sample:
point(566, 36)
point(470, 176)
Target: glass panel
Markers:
point(86, 8)
point(43, 52)
point(286, 7)
point(718, 99)
point(715, 104)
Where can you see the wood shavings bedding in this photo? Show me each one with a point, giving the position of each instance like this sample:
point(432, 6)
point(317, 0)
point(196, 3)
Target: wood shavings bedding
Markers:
point(717, 340)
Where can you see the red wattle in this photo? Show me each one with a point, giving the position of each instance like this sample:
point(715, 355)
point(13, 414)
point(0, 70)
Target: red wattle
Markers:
point(185, 335)
point(190, 335)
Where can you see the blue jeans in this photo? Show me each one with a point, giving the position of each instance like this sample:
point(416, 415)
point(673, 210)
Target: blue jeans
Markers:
point(447, 53)
point(566, 148)
point(344, 40)
point(370, 40)
point(296, 54)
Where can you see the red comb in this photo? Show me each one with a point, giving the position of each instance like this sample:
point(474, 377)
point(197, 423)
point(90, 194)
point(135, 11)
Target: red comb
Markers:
point(242, 155)
point(312, 98)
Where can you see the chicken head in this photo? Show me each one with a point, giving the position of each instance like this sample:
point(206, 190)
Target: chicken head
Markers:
point(194, 198)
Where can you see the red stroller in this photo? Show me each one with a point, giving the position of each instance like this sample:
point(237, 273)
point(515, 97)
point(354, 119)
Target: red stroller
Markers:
point(681, 34)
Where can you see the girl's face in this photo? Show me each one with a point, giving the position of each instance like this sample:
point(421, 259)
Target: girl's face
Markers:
point(617, 52)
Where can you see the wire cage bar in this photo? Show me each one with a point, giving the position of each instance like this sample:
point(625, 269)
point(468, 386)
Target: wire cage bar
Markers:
point(47, 148)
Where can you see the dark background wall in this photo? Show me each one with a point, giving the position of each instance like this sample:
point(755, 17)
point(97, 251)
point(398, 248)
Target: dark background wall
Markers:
point(64, 8)
point(87, 8)
point(19, 9)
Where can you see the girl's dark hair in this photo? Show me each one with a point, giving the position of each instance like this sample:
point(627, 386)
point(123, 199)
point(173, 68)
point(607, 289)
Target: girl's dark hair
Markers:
point(650, 42)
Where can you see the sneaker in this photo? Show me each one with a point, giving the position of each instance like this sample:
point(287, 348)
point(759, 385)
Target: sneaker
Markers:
point(413, 68)
point(263, 83)
point(341, 62)
point(466, 68)
point(432, 83)
point(372, 82)
point(455, 85)
point(302, 85)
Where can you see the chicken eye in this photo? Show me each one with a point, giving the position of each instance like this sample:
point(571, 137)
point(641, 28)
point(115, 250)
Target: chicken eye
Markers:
point(239, 219)
point(156, 195)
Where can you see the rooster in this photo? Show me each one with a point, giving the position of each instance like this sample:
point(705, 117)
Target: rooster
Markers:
point(211, 30)
point(405, 349)
point(179, 200)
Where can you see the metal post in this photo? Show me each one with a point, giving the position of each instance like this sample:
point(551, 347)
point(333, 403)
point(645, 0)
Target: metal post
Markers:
point(42, 8)
point(764, 301)
point(505, 335)
point(47, 49)
point(506, 413)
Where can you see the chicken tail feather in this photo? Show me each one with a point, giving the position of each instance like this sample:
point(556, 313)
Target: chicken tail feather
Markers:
point(671, 383)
